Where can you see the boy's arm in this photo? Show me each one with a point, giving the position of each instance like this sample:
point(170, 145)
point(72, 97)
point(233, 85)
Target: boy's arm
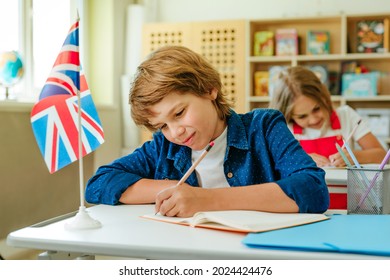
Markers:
point(110, 181)
point(145, 191)
point(268, 197)
point(185, 201)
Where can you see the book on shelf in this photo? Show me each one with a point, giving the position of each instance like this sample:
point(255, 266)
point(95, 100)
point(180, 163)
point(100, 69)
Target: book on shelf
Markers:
point(263, 43)
point(261, 83)
point(286, 41)
point(373, 36)
point(241, 220)
point(334, 82)
point(274, 72)
point(318, 42)
point(350, 66)
point(384, 83)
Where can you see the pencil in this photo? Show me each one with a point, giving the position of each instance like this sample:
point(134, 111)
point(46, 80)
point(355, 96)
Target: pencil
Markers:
point(372, 183)
point(349, 165)
point(365, 182)
point(354, 159)
point(352, 133)
point(346, 160)
point(195, 164)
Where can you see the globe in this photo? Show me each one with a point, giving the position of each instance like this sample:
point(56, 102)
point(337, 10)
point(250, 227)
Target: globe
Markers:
point(11, 69)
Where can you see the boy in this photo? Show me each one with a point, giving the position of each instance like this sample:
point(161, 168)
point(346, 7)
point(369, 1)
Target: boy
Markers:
point(255, 163)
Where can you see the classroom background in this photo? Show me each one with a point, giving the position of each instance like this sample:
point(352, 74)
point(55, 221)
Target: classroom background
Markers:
point(114, 44)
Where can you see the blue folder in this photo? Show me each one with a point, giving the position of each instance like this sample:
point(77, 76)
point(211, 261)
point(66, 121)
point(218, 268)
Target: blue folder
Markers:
point(359, 234)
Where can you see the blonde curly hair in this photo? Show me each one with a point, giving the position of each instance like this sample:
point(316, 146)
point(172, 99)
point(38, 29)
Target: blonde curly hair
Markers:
point(173, 69)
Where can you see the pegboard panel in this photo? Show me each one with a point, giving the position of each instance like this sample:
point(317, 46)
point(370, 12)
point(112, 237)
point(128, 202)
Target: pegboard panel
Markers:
point(156, 35)
point(223, 44)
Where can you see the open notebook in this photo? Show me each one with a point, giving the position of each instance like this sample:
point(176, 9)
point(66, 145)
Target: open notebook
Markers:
point(241, 220)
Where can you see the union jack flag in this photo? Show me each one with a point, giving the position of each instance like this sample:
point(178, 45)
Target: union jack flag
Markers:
point(54, 117)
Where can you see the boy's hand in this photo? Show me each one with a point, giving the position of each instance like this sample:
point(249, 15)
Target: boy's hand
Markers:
point(181, 201)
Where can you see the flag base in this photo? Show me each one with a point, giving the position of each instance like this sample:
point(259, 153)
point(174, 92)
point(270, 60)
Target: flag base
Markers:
point(82, 220)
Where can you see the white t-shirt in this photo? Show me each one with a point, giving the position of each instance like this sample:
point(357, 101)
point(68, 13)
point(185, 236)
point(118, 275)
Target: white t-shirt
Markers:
point(210, 171)
point(348, 119)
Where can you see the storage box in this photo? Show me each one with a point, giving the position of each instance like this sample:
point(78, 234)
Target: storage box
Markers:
point(378, 119)
point(360, 85)
point(368, 191)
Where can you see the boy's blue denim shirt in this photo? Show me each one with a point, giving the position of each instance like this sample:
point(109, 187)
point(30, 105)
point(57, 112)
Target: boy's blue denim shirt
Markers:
point(260, 149)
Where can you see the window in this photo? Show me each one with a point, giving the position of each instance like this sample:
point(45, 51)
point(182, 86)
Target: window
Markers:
point(36, 29)
point(51, 22)
point(9, 31)
point(9, 25)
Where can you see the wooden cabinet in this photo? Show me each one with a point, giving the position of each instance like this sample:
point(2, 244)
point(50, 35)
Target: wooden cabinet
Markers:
point(342, 30)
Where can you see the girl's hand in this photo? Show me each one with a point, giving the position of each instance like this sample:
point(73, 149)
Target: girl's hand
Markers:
point(321, 161)
point(181, 201)
point(336, 160)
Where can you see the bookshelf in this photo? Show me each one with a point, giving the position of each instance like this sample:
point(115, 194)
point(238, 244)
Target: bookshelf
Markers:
point(229, 46)
point(342, 45)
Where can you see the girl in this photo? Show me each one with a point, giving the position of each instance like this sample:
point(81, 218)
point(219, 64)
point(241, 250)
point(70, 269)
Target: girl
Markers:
point(307, 107)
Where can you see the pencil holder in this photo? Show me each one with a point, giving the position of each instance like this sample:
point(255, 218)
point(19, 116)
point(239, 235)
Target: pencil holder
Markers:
point(368, 190)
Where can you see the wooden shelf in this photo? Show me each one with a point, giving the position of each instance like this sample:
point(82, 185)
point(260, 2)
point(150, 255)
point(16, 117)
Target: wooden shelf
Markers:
point(228, 45)
point(323, 57)
point(335, 98)
point(340, 28)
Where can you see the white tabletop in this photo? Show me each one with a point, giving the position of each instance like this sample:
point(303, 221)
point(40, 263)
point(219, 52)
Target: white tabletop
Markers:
point(125, 234)
point(339, 176)
point(336, 176)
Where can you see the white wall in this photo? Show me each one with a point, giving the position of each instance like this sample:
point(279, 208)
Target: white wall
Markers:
point(28, 192)
point(190, 10)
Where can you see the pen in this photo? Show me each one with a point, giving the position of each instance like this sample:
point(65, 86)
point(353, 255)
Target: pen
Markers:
point(372, 183)
point(343, 155)
point(355, 161)
point(195, 164)
point(357, 164)
point(352, 133)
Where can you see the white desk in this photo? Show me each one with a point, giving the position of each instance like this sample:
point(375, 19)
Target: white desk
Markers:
point(336, 176)
point(125, 234)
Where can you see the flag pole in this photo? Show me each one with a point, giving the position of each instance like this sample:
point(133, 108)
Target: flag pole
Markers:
point(81, 162)
point(82, 220)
